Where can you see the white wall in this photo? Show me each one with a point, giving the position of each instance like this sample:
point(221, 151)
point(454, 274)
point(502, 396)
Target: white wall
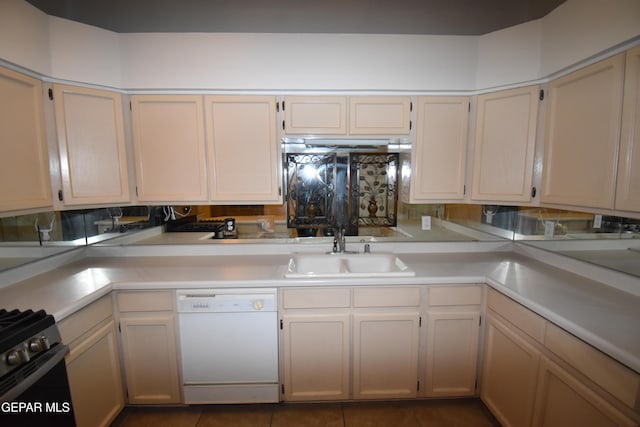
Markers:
point(298, 62)
point(509, 56)
point(67, 50)
point(579, 29)
point(83, 53)
point(24, 36)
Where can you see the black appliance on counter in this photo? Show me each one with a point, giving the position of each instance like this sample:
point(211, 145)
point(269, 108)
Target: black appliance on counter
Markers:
point(34, 388)
point(220, 228)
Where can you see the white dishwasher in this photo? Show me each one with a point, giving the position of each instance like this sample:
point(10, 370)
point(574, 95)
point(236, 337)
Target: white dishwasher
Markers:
point(229, 345)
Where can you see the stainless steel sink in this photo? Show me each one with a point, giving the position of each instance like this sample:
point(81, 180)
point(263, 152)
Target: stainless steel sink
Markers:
point(346, 265)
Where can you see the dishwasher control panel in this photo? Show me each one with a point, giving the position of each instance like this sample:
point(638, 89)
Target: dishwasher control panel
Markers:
point(225, 300)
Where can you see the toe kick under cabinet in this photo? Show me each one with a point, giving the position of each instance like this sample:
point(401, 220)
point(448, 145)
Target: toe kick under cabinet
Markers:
point(367, 342)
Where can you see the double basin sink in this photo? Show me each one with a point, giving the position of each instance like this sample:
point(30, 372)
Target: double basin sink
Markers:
point(335, 265)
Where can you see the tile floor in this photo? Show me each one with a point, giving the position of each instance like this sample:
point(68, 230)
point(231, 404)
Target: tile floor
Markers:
point(417, 413)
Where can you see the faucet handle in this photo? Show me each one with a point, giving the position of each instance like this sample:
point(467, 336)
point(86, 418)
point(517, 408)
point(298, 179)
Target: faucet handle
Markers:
point(367, 248)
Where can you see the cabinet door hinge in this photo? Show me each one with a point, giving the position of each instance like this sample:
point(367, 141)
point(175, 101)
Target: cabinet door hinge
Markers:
point(50, 94)
point(480, 321)
point(281, 324)
point(283, 125)
point(282, 105)
point(469, 108)
point(277, 107)
point(418, 386)
point(541, 94)
point(534, 191)
point(60, 195)
point(420, 322)
point(410, 124)
point(130, 107)
point(464, 190)
point(475, 386)
point(136, 191)
point(411, 106)
point(279, 191)
point(282, 388)
point(119, 328)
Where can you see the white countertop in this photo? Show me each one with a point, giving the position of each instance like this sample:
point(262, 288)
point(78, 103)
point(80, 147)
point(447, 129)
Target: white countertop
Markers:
point(601, 315)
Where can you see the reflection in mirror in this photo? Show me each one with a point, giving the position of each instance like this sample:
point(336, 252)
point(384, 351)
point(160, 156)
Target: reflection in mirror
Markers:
point(606, 241)
point(27, 238)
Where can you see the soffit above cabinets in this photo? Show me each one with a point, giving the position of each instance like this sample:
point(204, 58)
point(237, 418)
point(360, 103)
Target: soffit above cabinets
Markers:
point(437, 17)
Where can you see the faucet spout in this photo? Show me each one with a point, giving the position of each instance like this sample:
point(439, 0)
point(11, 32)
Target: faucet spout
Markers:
point(339, 242)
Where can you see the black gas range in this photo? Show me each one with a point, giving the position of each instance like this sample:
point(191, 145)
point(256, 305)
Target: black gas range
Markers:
point(34, 388)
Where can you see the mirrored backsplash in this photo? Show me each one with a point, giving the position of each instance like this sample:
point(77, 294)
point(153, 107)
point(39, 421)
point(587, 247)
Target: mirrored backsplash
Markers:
point(75, 227)
point(613, 242)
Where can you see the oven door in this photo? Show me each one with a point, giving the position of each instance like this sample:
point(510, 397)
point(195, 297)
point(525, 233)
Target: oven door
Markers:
point(38, 393)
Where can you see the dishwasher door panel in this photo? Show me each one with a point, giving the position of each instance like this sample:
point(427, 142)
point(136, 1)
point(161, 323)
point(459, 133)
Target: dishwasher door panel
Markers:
point(229, 348)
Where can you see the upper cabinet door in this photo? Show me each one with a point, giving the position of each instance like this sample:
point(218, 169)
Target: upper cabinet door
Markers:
point(379, 115)
point(243, 151)
point(332, 115)
point(321, 115)
point(24, 160)
point(440, 151)
point(169, 142)
point(628, 187)
point(93, 158)
point(582, 133)
point(505, 141)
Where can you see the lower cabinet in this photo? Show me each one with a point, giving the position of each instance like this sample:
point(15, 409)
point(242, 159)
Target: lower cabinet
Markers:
point(149, 347)
point(386, 333)
point(93, 366)
point(562, 400)
point(534, 373)
point(349, 343)
point(453, 330)
point(385, 355)
point(316, 356)
point(315, 343)
point(510, 369)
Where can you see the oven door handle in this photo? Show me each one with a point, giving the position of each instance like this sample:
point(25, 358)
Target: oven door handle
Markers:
point(53, 357)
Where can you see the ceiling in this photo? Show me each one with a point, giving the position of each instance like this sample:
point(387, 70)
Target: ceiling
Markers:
point(441, 17)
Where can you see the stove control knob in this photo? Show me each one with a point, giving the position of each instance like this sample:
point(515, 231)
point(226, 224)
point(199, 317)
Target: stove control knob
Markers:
point(36, 345)
point(18, 357)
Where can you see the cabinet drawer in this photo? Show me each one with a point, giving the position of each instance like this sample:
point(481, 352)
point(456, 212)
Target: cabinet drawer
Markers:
point(316, 298)
point(615, 378)
point(518, 315)
point(391, 296)
point(455, 295)
point(145, 301)
point(82, 321)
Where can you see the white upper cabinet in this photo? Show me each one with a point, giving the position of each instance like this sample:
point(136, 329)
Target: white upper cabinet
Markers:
point(24, 160)
point(341, 115)
point(169, 143)
point(379, 115)
point(440, 149)
point(504, 147)
point(243, 150)
point(322, 115)
point(628, 184)
point(93, 158)
point(582, 134)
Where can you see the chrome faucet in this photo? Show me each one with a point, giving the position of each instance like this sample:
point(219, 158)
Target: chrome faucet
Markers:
point(339, 241)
